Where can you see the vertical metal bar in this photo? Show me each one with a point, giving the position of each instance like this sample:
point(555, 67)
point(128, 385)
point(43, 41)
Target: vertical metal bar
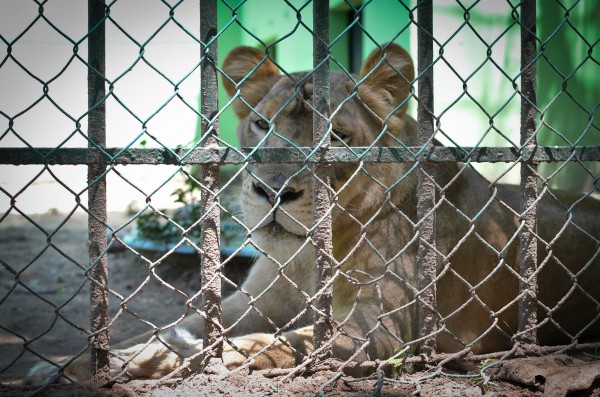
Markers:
point(528, 244)
point(99, 319)
point(355, 37)
point(426, 257)
point(322, 237)
point(210, 240)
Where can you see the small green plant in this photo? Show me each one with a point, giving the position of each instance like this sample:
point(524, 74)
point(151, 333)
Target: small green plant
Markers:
point(399, 363)
point(152, 226)
point(167, 227)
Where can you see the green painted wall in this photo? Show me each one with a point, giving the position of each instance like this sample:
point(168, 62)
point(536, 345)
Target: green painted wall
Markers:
point(385, 21)
point(569, 86)
point(280, 25)
point(230, 35)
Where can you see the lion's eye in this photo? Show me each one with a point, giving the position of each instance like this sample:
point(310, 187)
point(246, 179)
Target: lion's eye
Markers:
point(261, 124)
point(340, 137)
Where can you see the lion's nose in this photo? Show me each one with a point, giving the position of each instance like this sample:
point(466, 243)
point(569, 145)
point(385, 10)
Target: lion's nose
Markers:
point(272, 194)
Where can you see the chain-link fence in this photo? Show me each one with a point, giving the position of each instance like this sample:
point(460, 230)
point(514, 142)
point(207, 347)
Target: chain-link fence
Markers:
point(376, 249)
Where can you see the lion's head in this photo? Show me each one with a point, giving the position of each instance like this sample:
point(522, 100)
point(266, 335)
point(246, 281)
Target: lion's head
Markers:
point(276, 111)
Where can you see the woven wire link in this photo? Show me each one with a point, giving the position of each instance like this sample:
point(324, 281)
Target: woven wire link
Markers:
point(362, 163)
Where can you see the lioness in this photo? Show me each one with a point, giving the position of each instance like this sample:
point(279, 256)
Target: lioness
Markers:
point(374, 237)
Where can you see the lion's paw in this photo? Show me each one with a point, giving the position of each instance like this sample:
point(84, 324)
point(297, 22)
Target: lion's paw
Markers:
point(157, 359)
point(43, 373)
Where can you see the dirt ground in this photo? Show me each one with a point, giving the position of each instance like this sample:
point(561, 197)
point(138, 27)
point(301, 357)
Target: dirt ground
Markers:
point(44, 300)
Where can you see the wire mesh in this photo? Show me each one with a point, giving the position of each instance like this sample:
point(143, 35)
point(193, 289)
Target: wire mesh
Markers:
point(375, 248)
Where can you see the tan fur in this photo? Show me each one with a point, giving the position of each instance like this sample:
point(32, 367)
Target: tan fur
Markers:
point(374, 244)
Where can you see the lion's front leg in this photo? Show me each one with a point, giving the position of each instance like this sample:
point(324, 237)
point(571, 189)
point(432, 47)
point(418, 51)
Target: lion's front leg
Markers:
point(157, 359)
point(265, 351)
point(260, 350)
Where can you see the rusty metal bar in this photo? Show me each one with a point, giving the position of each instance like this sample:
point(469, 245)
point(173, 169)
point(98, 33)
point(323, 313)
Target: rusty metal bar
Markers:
point(322, 235)
point(97, 217)
point(211, 224)
point(526, 332)
point(224, 155)
point(426, 257)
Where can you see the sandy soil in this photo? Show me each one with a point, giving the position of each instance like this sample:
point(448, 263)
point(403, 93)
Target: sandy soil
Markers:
point(44, 299)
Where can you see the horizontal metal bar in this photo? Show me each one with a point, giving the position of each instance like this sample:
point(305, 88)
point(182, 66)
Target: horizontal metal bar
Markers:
point(359, 369)
point(179, 156)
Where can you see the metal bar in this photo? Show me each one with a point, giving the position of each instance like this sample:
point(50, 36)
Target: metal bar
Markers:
point(322, 236)
point(360, 369)
point(355, 36)
point(97, 218)
point(426, 257)
point(224, 155)
point(210, 240)
point(526, 332)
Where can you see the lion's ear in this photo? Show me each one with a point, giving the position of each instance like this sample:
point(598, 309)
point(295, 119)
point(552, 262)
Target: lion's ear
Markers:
point(389, 72)
point(252, 73)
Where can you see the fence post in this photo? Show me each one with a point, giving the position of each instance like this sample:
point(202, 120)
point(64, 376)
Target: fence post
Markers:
point(98, 272)
point(210, 239)
point(322, 237)
point(526, 332)
point(426, 257)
